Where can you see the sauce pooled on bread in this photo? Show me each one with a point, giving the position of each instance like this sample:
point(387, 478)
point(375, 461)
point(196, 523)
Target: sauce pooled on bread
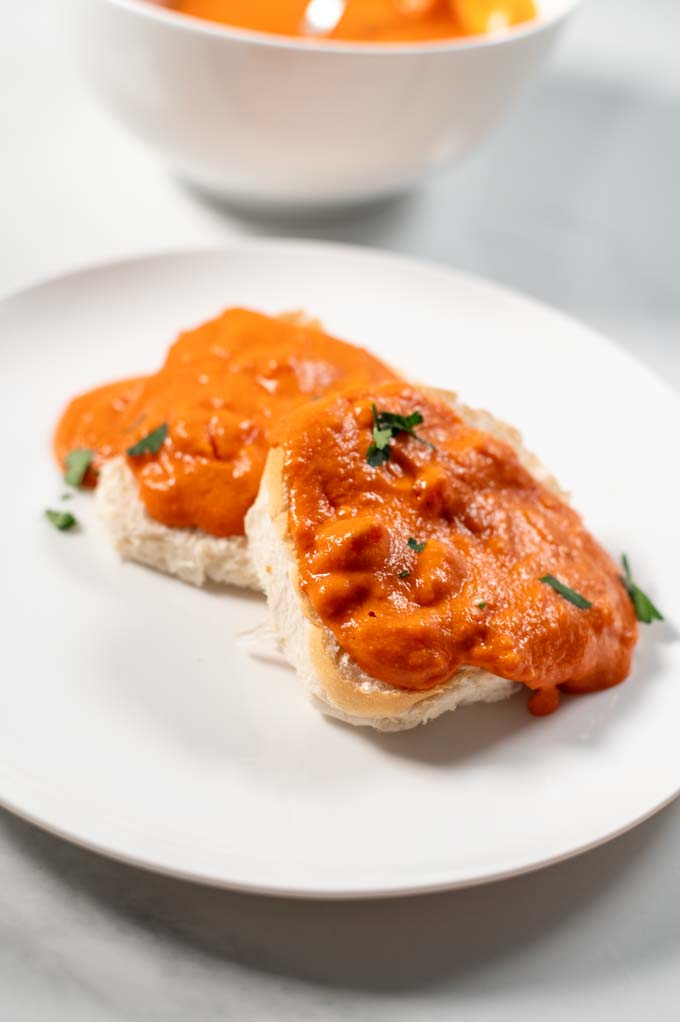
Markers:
point(436, 557)
point(222, 388)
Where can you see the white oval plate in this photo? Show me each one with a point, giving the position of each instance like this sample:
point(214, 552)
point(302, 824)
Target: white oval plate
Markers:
point(132, 720)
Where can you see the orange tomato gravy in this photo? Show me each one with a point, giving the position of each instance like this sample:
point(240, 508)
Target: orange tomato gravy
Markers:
point(221, 390)
point(366, 20)
point(472, 596)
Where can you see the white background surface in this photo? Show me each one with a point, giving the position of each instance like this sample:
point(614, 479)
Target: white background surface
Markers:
point(575, 201)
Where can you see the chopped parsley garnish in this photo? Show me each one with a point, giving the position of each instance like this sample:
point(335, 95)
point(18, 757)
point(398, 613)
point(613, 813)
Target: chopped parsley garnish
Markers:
point(401, 424)
point(645, 611)
point(77, 464)
point(481, 605)
point(376, 456)
point(151, 443)
point(415, 545)
point(61, 520)
point(404, 574)
point(569, 594)
point(387, 425)
point(379, 451)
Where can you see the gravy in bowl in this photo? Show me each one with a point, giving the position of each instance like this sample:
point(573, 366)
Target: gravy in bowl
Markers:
point(364, 20)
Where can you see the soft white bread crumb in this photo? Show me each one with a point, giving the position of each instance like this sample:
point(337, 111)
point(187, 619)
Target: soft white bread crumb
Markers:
point(190, 554)
point(336, 685)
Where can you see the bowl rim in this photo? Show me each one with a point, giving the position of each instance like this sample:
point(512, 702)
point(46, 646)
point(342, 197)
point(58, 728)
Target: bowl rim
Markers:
point(199, 26)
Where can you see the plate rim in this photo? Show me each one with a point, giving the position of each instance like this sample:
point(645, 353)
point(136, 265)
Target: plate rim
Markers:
point(368, 252)
point(331, 894)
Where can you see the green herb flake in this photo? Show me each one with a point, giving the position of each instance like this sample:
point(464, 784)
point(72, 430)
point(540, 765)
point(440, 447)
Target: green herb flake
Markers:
point(481, 605)
point(399, 423)
point(66, 496)
point(76, 465)
point(376, 457)
point(387, 425)
point(61, 520)
point(404, 574)
point(151, 443)
point(645, 611)
point(415, 545)
point(569, 594)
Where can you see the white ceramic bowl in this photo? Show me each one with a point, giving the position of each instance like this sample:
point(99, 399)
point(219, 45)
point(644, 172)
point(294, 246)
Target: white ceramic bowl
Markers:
point(270, 120)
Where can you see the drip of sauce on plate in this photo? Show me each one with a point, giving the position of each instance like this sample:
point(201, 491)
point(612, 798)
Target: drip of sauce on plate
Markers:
point(433, 560)
point(222, 388)
point(364, 20)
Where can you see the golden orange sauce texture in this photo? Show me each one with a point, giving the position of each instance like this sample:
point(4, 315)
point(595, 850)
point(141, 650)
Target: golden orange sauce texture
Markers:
point(369, 20)
point(491, 531)
point(222, 388)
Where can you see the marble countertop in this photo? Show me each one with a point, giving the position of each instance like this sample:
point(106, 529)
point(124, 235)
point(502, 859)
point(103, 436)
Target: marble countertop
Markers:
point(574, 201)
